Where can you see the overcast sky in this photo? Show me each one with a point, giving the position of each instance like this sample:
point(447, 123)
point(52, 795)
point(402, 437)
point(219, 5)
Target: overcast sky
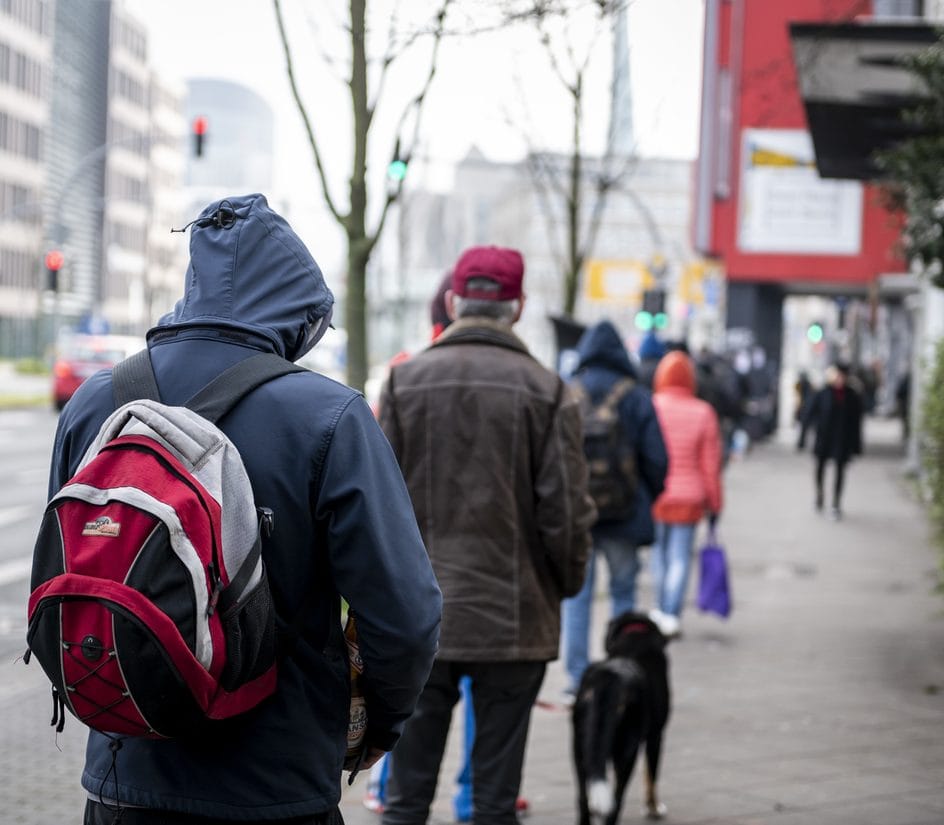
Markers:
point(479, 82)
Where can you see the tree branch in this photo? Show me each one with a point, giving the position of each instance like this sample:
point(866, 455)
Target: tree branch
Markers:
point(415, 105)
point(329, 201)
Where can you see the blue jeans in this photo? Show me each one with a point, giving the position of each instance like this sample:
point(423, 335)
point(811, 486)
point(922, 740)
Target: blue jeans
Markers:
point(671, 564)
point(623, 562)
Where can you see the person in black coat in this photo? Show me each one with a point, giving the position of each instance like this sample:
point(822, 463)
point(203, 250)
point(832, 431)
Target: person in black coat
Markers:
point(835, 413)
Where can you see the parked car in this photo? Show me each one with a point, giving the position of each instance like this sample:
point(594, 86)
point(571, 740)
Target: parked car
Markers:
point(80, 356)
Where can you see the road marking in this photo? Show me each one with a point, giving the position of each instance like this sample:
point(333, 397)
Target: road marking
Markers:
point(11, 515)
point(15, 570)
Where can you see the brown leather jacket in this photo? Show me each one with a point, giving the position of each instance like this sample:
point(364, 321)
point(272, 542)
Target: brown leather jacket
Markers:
point(489, 443)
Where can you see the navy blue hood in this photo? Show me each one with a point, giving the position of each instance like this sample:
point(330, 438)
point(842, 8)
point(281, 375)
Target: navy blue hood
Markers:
point(651, 347)
point(250, 271)
point(601, 346)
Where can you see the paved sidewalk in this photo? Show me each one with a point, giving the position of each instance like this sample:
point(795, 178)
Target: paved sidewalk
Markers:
point(820, 702)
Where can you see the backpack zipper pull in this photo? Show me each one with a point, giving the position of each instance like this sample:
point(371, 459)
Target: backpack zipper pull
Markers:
point(266, 521)
point(217, 588)
point(58, 711)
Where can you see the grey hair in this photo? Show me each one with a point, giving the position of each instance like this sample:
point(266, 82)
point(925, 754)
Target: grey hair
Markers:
point(504, 311)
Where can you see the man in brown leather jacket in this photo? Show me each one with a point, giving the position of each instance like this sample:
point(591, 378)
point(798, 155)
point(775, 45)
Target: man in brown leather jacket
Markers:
point(489, 442)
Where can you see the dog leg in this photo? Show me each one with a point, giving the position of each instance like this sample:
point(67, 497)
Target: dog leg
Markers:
point(654, 808)
point(622, 782)
point(600, 794)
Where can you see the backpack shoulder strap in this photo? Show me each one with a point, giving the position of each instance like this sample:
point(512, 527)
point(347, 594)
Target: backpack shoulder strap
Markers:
point(226, 390)
point(616, 394)
point(133, 379)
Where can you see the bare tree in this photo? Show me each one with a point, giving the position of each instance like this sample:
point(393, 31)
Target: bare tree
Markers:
point(563, 182)
point(353, 218)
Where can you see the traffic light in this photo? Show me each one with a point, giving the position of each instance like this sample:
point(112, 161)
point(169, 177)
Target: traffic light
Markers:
point(644, 320)
point(653, 301)
point(652, 313)
point(54, 261)
point(814, 333)
point(396, 170)
point(199, 128)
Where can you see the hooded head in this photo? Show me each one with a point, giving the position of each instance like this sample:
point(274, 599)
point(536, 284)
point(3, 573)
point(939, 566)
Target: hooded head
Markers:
point(675, 371)
point(651, 348)
point(249, 271)
point(601, 346)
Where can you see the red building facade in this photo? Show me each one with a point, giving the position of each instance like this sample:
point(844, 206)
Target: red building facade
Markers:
point(760, 206)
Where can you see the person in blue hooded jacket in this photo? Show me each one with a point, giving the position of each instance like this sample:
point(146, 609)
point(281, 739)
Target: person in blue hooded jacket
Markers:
point(344, 527)
point(603, 363)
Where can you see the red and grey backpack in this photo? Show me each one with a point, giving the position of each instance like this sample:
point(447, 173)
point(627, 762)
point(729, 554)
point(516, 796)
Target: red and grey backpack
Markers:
point(150, 610)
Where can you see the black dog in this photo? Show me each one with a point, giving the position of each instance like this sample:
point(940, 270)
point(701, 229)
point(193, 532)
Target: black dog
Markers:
point(622, 703)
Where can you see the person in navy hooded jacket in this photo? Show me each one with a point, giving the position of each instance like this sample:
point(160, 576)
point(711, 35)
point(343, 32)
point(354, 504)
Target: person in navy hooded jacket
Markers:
point(344, 527)
point(603, 363)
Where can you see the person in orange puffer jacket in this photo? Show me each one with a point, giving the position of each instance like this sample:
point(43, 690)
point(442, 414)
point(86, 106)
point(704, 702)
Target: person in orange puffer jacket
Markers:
point(692, 487)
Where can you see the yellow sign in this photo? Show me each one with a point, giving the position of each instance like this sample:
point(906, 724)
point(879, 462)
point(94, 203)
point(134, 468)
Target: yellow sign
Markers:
point(617, 280)
point(769, 157)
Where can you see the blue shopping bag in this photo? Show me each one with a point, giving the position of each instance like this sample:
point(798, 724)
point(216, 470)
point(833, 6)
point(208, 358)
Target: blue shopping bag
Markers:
point(714, 590)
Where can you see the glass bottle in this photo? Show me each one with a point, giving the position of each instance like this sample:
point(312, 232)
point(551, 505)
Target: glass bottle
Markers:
point(357, 721)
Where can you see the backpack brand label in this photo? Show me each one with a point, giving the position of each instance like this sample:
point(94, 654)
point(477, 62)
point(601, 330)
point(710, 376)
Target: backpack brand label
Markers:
point(102, 526)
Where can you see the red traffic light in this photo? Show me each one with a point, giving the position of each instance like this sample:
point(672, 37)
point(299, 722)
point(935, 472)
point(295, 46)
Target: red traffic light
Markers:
point(199, 125)
point(54, 260)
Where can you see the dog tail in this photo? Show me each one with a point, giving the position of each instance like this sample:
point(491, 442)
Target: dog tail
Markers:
point(600, 707)
point(600, 797)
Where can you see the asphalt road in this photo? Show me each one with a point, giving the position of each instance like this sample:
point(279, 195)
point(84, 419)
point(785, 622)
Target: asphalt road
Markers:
point(26, 438)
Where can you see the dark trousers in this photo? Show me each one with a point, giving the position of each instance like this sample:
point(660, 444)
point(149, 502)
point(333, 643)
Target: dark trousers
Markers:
point(503, 694)
point(837, 481)
point(98, 814)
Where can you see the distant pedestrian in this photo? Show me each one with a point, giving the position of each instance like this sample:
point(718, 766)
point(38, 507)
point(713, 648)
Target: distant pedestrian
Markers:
point(835, 413)
point(692, 487)
point(607, 380)
point(717, 383)
point(803, 391)
point(489, 444)
point(651, 350)
point(375, 793)
point(903, 404)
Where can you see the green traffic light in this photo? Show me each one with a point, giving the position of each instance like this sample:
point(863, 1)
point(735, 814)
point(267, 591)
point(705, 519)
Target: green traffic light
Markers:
point(661, 320)
point(396, 170)
point(814, 333)
point(644, 321)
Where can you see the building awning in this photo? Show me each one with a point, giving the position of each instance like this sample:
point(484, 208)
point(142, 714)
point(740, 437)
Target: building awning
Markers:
point(854, 89)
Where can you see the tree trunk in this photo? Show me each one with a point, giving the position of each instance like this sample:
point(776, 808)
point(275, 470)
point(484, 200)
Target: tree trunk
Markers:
point(358, 247)
point(574, 258)
point(355, 313)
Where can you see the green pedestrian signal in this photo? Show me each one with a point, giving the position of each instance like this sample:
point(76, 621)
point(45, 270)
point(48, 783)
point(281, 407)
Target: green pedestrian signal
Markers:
point(396, 170)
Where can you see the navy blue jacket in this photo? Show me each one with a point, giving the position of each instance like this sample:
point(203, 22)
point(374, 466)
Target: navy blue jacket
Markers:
point(344, 526)
point(603, 362)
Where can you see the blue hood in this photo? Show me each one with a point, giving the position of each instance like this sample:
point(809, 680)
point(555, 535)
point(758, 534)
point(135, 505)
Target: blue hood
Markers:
point(249, 271)
point(651, 347)
point(601, 346)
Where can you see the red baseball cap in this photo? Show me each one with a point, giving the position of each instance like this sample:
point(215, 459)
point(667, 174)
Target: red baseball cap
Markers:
point(505, 267)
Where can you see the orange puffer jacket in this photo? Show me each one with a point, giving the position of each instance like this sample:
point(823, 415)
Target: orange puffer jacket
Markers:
point(690, 430)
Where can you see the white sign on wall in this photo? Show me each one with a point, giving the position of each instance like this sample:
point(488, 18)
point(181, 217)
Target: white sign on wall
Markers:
point(786, 207)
